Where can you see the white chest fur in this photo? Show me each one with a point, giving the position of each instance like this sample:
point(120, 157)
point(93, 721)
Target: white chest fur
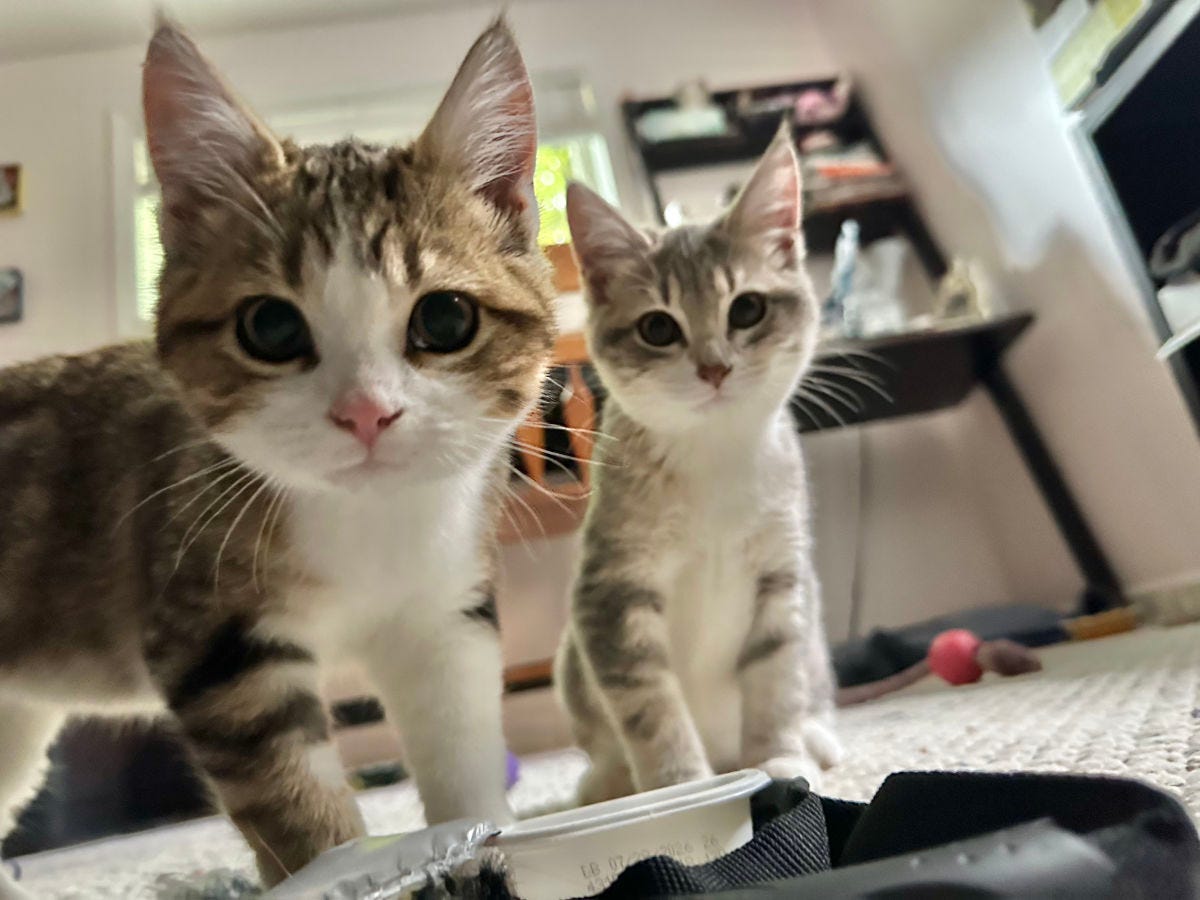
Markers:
point(733, 496)
point(411, 552)
point(711, 599)
point(745, 501)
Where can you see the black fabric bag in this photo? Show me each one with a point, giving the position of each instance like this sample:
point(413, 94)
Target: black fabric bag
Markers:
point(947, 835)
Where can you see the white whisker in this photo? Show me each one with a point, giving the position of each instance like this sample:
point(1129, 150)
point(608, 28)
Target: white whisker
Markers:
point(233, 526)
point(866, 379)
point(232, 472)
point(510, 494)
point(554, 455)
point(852, 353)
point(185, 543)
point(188, 446)
point(823, 406)
point(225, 463)
point(262, 527)
point(283, 495)
point(835, 392)
point(849, 372)
point(798, 405)
point(550, 426)
point(556, 497)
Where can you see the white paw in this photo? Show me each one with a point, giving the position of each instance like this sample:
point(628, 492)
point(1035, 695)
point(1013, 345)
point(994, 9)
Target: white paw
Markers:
point(785, 768)
point(600, 784)
point(822, 743)
point(673, 774)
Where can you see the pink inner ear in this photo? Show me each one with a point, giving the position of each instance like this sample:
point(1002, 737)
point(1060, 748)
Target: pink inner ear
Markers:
point(513, 189)
point(783, 209)
point(165, 90)
point(769, 208)
point(161, 107)
point(598, 284)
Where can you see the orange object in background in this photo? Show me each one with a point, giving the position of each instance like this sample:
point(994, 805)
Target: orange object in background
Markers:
point(566, 272)
point(1113, 621)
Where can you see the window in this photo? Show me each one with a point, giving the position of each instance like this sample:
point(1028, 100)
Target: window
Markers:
point(570, 148)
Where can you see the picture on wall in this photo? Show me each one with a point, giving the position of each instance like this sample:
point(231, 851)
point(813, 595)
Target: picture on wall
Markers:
point(10, 295)
point(10, 188)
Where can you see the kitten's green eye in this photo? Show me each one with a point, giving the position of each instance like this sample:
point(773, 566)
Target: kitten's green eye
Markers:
point(747, 310)
point(273, 330)
point(658, 329)
point(443, 321)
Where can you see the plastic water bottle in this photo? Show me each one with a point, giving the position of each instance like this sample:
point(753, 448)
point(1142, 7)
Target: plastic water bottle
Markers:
point(836, 312)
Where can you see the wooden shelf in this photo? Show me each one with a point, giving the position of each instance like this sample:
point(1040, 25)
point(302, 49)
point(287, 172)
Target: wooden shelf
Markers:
point(916, 371)
point(849, 196)
point(748, 137)
point(527, 676)
point(880, 211)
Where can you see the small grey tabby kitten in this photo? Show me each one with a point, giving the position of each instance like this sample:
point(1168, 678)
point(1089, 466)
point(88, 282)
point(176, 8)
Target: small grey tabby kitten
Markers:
point(695, 642)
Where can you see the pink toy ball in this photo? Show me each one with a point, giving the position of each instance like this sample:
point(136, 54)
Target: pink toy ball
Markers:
point(952, 656)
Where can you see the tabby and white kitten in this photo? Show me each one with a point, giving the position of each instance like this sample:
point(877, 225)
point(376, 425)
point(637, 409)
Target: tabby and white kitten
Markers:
point(695, 640)
point(304, 467)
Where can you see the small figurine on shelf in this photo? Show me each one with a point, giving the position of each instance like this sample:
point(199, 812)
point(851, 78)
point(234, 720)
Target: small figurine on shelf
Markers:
point(865, 294)
point(810, 106)
point(815, 106)
point(963, 291)
point(675, 214)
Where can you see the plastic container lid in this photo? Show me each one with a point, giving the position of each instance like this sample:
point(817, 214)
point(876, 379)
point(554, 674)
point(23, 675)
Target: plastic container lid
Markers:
point(638, 807)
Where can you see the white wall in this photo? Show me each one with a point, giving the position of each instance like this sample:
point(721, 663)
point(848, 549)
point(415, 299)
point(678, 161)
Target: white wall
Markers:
point(962, 97)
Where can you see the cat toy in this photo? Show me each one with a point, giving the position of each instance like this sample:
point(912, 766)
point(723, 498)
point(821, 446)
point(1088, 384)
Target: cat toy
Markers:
point(957, 656)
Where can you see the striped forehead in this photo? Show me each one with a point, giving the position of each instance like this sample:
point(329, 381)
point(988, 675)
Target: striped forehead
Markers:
point(345, 201)
point(693, 266)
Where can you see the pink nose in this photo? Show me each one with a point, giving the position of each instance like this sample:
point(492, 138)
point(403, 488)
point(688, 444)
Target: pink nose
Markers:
point(362, 417)
point(713, 373)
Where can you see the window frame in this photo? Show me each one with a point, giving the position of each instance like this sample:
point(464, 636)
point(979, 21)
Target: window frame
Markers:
point(576, 122)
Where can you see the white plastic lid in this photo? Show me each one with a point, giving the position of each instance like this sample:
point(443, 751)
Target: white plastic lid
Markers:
point(615, 813)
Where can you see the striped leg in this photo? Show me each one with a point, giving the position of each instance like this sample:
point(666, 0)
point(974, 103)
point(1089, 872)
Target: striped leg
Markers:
point(623, 646)
point(608, 775)
point(249, 710)
point(786, 682)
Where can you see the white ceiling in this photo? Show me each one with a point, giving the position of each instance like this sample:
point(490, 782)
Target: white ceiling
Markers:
point(31, 28)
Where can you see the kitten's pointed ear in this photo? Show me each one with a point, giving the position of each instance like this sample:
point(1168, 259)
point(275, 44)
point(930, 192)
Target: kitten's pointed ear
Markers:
point(601, 238)
point(485, 127)
point(203, 142)
point(766, 212)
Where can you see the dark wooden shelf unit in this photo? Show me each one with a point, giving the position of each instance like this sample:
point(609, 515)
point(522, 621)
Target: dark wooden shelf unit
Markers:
point(880, 214)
